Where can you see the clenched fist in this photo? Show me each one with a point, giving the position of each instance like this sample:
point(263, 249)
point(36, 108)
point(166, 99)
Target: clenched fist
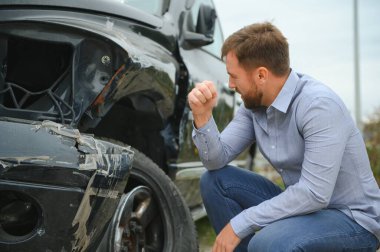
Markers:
point(202, 99)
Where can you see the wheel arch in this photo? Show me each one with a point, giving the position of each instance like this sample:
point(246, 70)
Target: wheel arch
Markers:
point(136, 121)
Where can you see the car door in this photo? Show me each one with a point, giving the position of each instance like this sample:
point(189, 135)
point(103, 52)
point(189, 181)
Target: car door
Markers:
point(204, 63)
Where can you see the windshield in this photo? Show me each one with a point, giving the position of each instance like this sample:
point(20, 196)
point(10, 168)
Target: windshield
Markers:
point(155, 7)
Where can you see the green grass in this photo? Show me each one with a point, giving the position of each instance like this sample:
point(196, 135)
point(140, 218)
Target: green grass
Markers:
point(206, 234)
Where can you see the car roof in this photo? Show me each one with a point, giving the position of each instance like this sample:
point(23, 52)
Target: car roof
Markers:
point(113, 8)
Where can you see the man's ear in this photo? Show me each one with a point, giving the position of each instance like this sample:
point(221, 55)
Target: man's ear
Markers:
point(262, 74)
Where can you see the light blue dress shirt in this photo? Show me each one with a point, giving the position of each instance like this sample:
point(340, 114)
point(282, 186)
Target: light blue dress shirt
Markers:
point(309, 137)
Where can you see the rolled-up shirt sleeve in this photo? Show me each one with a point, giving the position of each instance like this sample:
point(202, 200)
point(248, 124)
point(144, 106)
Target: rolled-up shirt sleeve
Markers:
point(323, 124)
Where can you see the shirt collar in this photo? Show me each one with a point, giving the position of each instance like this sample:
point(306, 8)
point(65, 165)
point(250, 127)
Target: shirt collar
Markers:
point(285, 96)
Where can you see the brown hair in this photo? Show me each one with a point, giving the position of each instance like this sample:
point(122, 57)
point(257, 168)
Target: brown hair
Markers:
point(260, 44)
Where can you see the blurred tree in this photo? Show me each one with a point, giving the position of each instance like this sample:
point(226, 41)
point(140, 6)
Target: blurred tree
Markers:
point(371, 133)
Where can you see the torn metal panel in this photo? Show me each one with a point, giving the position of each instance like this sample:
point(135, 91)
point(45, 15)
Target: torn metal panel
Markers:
point(69, 182)
point(4, 167)
point(52, 143)
point(102, 63)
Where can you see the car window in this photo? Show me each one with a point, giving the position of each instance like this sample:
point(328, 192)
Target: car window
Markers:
point(155, 7)
point(215, 47)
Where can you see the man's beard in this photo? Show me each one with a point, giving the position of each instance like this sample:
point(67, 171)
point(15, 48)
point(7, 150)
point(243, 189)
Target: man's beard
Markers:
point(253, 102)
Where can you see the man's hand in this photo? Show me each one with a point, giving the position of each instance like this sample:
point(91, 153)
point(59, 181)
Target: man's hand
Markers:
point(226, 241)
point(202, 99)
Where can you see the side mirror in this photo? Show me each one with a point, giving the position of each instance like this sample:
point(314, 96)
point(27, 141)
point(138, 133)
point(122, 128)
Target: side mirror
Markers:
point(197, 39)
point(206, 21)
point(204, 30)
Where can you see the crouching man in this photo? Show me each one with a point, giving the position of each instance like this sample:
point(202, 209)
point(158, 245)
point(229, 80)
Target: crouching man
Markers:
point(331, 201)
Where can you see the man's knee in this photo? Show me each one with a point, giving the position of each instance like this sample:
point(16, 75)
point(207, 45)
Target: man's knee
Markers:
point(210, 181)
point(204, 179)
point(207, 183)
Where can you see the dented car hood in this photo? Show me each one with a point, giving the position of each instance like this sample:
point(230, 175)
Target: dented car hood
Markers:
point(105, 58)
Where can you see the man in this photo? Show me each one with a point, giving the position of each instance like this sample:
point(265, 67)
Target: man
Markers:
point(331, 201)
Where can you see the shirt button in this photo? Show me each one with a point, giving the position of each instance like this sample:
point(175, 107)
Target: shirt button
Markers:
point(273, 146)
point(208, 130)
point(205, 152)
point(280, 170)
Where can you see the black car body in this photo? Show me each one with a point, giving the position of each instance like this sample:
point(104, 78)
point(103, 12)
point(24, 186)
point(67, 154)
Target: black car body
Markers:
point(73, 72)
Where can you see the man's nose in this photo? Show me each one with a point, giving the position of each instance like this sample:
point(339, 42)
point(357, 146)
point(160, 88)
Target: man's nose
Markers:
point(231, 84)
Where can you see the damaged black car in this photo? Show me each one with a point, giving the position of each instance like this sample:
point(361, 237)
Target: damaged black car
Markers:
point(95, 130)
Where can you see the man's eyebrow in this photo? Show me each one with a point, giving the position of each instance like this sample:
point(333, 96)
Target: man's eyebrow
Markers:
point(232, 75)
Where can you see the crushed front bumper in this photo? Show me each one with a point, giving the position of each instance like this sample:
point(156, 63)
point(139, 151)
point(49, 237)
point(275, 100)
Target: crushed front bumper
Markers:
point(58, 188)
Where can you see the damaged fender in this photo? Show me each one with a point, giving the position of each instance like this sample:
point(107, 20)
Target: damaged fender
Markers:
point(64, 189)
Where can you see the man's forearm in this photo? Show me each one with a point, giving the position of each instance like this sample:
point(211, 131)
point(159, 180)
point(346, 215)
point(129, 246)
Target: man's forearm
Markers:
point(211, 151)
point(201, 120)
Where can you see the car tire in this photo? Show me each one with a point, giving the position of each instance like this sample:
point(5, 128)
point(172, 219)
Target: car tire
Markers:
point(172, 229)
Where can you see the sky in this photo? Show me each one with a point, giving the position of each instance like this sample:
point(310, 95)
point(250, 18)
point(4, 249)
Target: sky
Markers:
point(321, 40)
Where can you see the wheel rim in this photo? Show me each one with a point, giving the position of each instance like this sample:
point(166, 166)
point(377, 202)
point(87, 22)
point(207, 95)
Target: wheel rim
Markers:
point(137, 211)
